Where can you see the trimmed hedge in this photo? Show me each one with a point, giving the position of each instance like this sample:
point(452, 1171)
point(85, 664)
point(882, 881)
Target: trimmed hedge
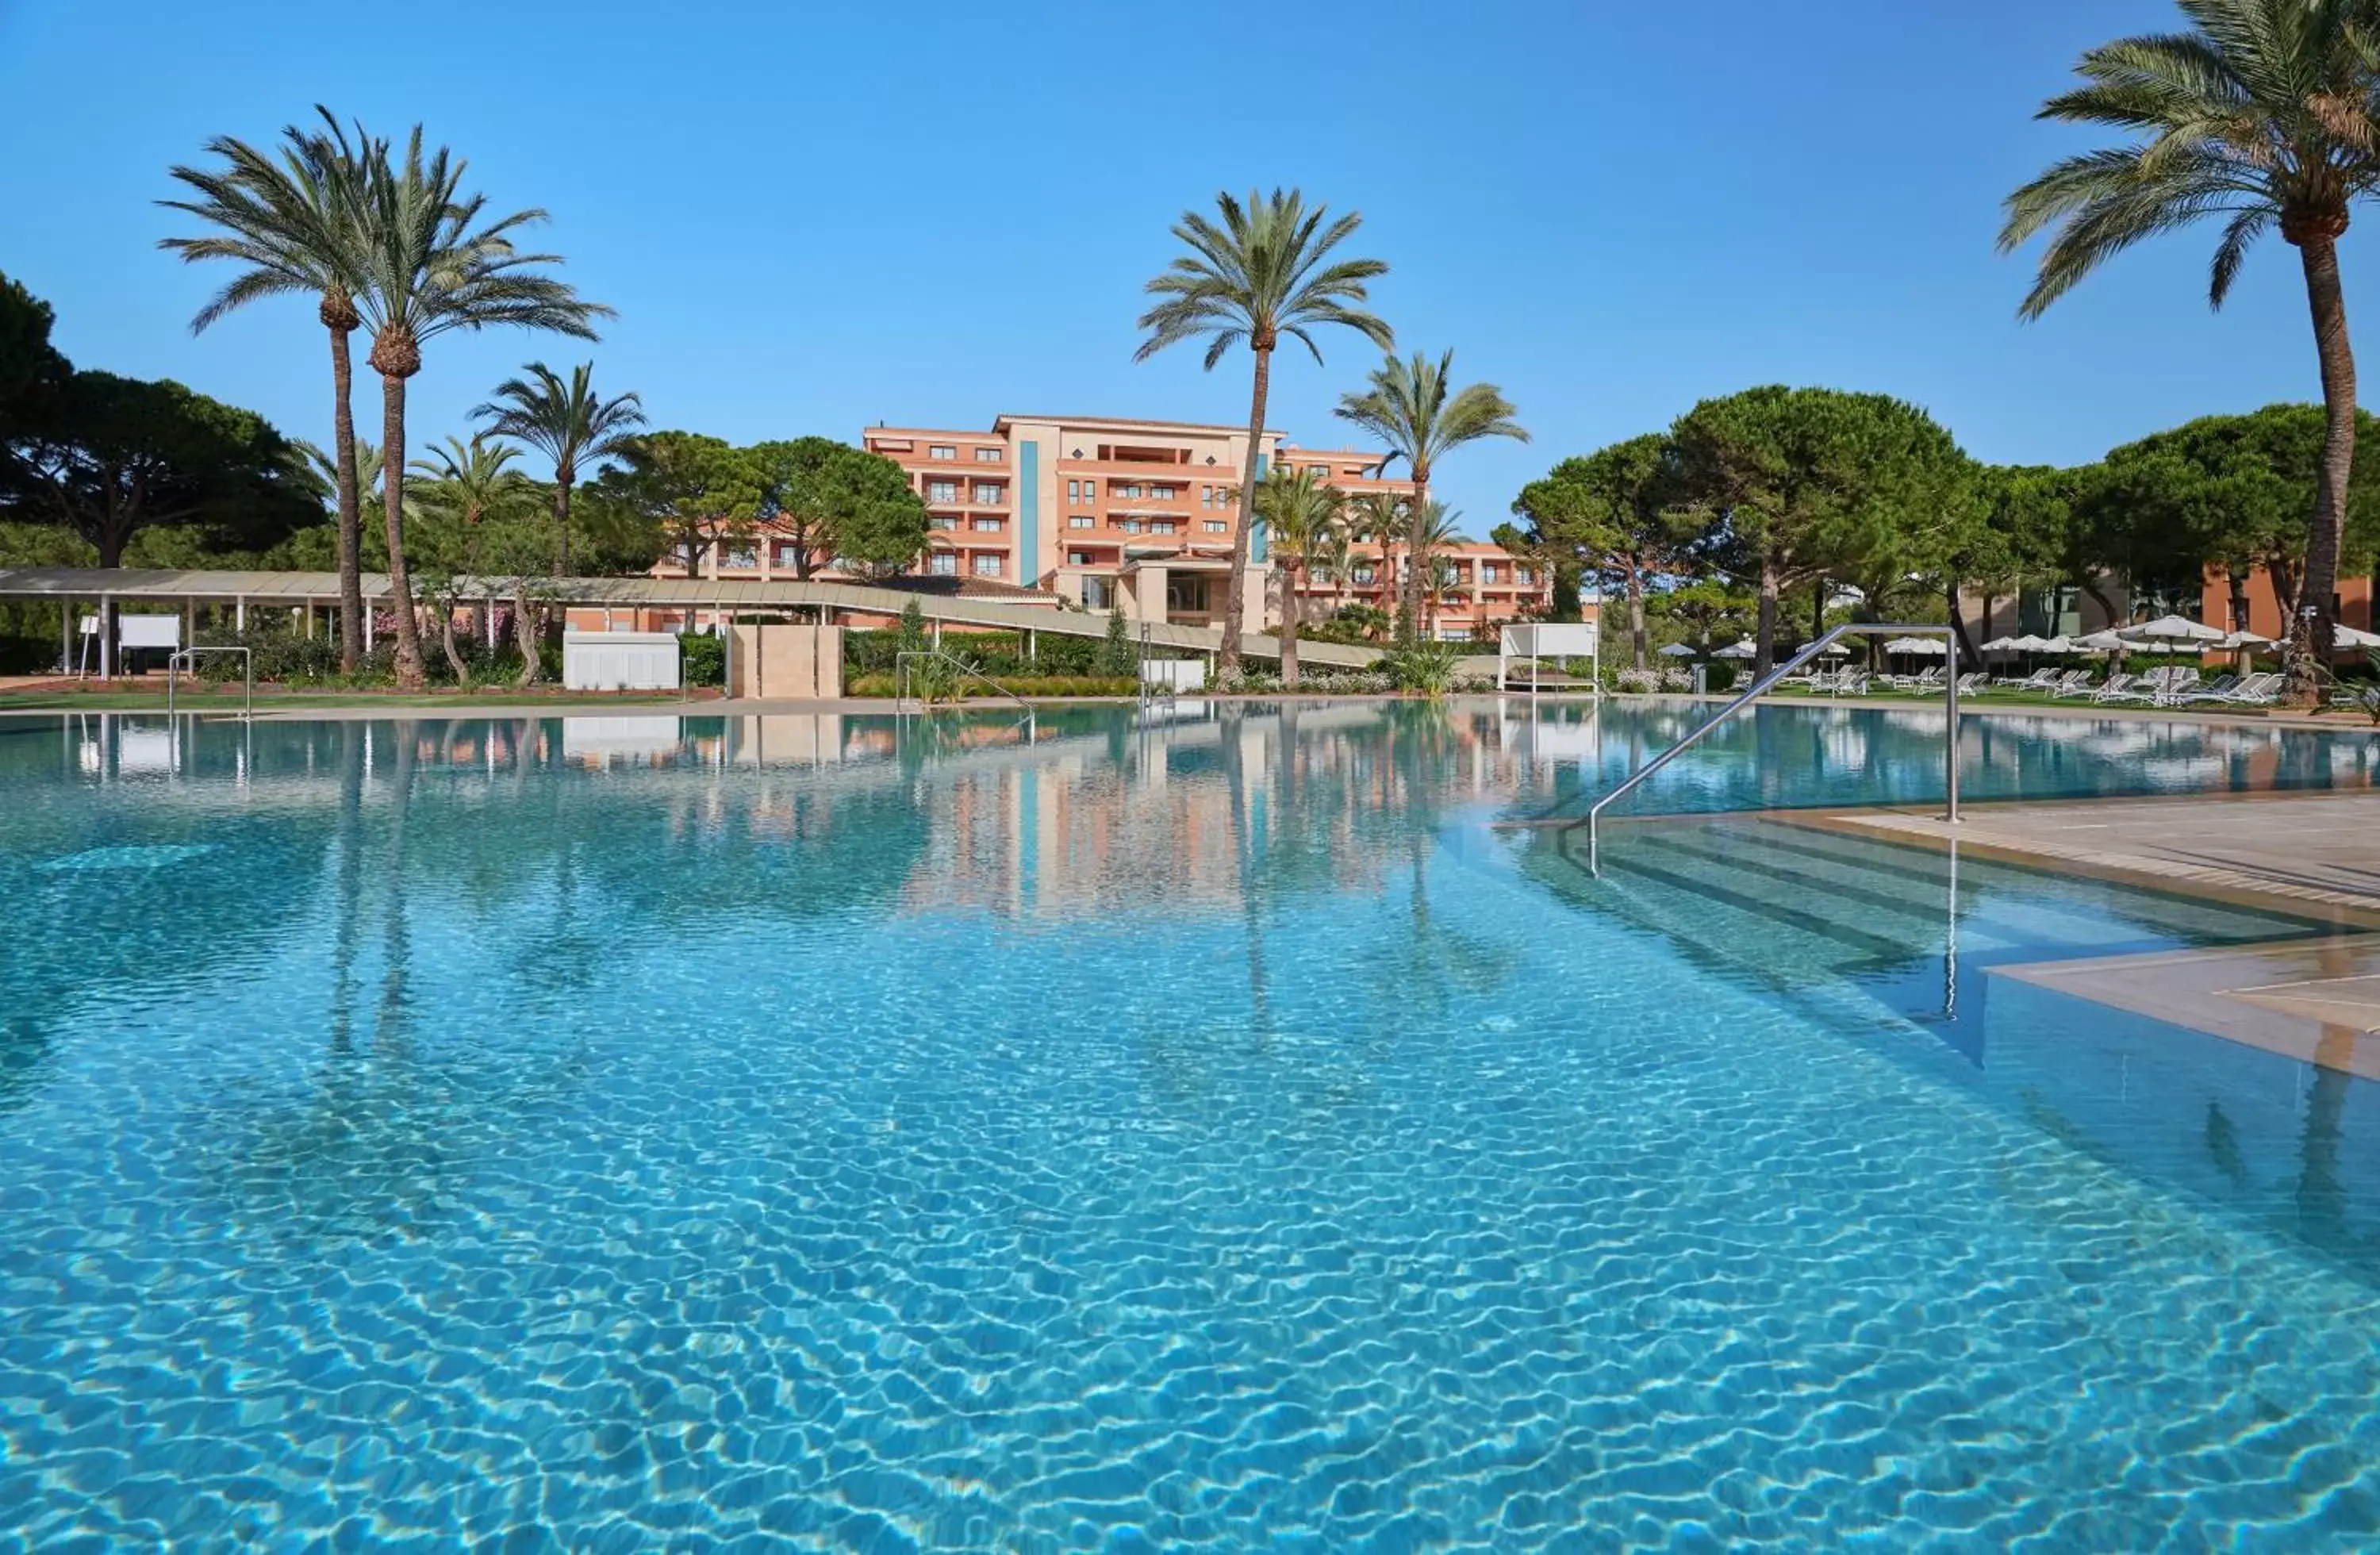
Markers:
point(1024, 685)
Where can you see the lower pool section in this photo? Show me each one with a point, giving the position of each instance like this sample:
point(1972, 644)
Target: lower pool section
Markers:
point(1211, 1137)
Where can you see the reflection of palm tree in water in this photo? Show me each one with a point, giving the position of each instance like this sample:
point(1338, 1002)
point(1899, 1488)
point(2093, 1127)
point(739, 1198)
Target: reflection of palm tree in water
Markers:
point(390, 1033)
point(348, 885)
point(1242, 850)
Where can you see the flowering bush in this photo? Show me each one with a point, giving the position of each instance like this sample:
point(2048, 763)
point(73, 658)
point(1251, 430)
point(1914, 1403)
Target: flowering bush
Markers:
point(1644, 683)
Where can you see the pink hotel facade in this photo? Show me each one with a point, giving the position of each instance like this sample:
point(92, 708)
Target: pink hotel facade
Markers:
point(1102, 512)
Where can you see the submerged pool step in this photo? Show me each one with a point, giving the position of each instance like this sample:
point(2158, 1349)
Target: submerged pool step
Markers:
point(1749, 916)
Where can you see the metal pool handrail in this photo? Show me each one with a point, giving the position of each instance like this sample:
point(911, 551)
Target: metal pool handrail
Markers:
point(189, 656)
point(1856, 629)
point(900, 661)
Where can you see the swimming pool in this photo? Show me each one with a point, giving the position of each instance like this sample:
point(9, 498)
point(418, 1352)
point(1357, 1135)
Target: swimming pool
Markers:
point(639, 1133)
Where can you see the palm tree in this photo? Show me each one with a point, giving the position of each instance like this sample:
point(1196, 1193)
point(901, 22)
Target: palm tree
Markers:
point(430, 264)
point(1417, 411)
point(2261, 113)
point(293, 222)
point(1301, 515)
point(363, 462)
point(467, 487)
point(1261, 275)
point(1436, 528)
point(1378, 518)
point(567, 422)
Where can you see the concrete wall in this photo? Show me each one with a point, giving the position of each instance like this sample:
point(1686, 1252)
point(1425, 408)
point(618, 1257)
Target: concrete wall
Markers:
point(797, 660)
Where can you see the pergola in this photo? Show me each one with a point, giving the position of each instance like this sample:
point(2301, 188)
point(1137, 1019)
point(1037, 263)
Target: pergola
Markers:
point(308, 591)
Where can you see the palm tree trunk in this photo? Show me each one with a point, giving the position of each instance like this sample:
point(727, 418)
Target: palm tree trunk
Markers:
point(1235, 592)
point(2310, 637)
point(1409, 596)
point(561, 525)
point(1288, 628)
point(409, 676)
point(351, 517)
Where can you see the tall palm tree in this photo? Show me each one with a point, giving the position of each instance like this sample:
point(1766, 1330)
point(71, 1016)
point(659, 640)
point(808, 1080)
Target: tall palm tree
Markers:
point(1415, 409)
point(2261, 113)
point(567, 422)
point(1263, 273)
point(1378, 518)
point(1435, 529)
point(1303, 515)
point(429, 264)
point(293, 222)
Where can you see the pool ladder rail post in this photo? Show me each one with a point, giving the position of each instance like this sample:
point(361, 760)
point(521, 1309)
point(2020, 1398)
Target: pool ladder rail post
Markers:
point(1950, 634)
point(186, 658)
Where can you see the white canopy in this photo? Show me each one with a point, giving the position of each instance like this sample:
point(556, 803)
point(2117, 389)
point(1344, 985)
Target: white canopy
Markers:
point(2173, 628)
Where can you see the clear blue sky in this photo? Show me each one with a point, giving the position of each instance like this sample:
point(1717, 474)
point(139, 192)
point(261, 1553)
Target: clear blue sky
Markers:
point(814, 217)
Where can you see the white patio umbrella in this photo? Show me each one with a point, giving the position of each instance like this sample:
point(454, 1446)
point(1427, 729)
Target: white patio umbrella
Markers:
point(1677, 650)
point(2059, 644)
point(1933, 646)
point(2004, 645)
point(2348, 637)
point(1833, 651)
point(2172, 628)
point(2247, 639)
point(1747, 649)
point(2100, 642)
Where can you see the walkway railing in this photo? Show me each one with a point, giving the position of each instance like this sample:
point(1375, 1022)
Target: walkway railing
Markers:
point(188, 658)
point(1761, 688)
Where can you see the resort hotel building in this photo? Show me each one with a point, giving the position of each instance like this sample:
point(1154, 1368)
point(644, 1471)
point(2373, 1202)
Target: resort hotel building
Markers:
point(1100, 512)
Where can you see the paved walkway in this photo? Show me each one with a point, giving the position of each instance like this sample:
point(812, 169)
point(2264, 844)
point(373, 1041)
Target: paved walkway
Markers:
point(2316, 848)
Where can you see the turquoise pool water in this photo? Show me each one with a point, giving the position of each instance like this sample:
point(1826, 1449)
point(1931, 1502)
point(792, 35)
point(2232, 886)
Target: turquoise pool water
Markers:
point(638, 1134)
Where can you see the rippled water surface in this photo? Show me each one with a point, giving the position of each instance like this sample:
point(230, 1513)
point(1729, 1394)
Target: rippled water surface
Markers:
point(639, 1133)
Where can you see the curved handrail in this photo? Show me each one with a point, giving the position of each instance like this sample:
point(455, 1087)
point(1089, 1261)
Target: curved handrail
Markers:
point(189, 656)
point(1854, 629)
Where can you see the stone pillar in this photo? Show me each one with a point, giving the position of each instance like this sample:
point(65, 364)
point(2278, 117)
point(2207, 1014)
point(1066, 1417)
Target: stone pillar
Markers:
point(1149, 593)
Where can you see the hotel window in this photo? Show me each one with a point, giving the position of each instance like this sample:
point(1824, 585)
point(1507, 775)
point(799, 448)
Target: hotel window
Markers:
point(1219, 527)
point(1490, 573)
point(986, 456)
point(1074, 493)
point(1362, 574)
point(1133, 491)
point(942, 491)
point(1081, 521)
point(743, 556)
point(987, 564)
point(942, 452)
point(944, 564)
point(1163, 494)
point(987, 526)
point(1521, 577)
point(941, 520)
point(1205, 496)
point(988, 493)
point(1129, 526)
point(789, 556)
point(1160, 526)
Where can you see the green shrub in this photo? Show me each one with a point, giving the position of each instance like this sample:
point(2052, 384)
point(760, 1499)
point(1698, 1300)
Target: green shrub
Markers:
point(1024, 685)
point(702, 659)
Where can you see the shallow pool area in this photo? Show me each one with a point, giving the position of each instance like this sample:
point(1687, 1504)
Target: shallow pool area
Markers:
point(1227, 1130)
